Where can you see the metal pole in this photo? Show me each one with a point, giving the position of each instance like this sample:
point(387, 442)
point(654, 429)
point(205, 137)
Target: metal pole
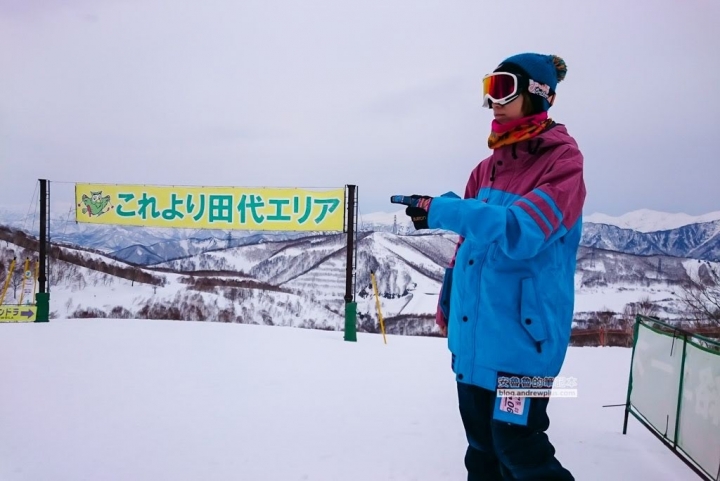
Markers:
point(42, 279)
point(355, 234)
point(350, 243)
point(48, 239)
point(350, 305)
point(42, 298)
point(678, 413)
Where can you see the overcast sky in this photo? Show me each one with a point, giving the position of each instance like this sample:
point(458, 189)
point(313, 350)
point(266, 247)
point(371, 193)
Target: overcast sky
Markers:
point(322, 93)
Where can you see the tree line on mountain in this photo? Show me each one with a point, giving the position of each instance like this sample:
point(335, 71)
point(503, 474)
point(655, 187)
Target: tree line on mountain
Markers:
point(74, 256)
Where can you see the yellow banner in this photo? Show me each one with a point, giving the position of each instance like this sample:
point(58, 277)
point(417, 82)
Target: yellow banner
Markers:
point(9, 313)
point(239, 208)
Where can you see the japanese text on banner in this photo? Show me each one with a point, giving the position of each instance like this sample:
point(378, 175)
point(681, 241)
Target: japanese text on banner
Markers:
point(211, 207)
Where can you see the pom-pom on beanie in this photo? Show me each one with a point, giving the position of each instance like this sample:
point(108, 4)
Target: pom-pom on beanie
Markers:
point(540, 69)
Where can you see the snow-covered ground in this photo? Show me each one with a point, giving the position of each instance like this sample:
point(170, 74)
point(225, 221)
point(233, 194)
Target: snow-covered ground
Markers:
point(117, 399)
point(616, 297)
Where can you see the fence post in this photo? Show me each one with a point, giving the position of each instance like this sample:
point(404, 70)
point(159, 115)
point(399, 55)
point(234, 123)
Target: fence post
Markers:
point(680, 391)
point(632, 360)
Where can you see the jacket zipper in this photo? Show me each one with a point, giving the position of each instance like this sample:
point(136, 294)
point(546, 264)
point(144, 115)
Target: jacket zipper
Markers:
point(477, 311)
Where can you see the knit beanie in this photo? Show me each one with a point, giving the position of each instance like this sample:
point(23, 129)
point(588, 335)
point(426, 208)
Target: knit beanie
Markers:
point(543, 72)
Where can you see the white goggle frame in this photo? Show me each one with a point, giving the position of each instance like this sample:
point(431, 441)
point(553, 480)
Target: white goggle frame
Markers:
point(487, 98)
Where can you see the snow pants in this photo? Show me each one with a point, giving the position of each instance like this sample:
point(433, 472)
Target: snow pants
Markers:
point(499, 450)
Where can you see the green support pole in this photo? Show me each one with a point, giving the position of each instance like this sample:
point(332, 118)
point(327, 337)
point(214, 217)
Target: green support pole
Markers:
point(351, 321)
point(42, 301)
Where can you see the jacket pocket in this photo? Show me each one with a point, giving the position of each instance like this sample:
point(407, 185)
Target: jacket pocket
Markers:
point(530, 314)
point(445, 293)
point(494, 251)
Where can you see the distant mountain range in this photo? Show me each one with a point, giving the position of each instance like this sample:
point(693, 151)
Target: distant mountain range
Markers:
point(695, 241)
point(301, 282)
point(642, 232)
point(646, 220)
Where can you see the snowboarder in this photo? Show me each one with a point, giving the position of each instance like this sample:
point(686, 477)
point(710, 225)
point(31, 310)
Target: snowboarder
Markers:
point(507, 301)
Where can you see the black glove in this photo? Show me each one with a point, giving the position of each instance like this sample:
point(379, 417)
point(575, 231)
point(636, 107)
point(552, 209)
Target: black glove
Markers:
point(419, 210)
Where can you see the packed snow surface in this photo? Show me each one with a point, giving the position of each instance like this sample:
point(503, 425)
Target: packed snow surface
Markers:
point(116, 399)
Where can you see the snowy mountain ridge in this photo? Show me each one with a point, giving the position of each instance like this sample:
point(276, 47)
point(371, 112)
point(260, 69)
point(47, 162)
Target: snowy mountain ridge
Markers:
point(647, 220)
point(301, 282)
point(696, 241)
point(642, 232)
point(641, 220)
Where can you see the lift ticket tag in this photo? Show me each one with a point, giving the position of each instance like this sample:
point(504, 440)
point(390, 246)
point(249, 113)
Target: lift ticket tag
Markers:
point(512, 409)
point(513, 405)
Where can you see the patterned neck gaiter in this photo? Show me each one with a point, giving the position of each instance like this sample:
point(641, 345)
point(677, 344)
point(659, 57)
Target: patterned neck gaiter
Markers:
point(518, 130)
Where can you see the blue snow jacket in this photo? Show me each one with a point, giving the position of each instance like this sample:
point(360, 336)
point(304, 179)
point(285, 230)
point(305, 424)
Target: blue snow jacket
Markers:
point(512, 279)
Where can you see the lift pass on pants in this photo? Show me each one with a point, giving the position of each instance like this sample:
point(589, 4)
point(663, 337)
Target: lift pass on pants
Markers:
point(512, 409)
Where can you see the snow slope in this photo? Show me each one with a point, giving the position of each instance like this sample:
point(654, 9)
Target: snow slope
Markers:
point(646, 220)
point(409, 272)
point(141, 400)
point(240, 259)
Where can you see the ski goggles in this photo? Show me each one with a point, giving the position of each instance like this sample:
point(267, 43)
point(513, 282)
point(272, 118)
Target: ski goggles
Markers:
point(504, 87)
point(500, 88)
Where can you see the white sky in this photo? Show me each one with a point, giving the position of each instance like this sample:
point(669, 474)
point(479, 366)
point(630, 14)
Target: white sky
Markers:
point(321, 93)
